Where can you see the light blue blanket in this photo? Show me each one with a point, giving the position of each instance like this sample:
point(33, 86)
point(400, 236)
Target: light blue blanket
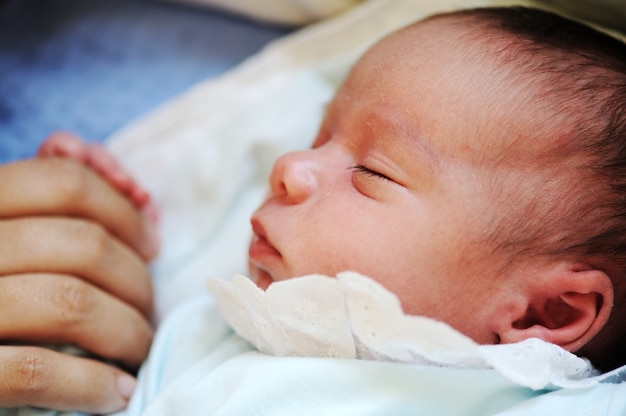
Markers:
point(93, 66)
point(230, 378)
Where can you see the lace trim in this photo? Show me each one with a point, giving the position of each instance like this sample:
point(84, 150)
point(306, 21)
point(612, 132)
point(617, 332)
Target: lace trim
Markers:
point(352, 316)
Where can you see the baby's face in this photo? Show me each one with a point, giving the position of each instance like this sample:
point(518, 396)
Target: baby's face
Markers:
point(389, 188)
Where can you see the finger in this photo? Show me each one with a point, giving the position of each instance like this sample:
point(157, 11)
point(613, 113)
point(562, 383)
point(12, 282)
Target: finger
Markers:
point(139, 196)
point(151, 212)
point(58, 186)
point(64, 144)
point(75, 247)
point(107, 166)
point(59, 309)
point(31, 376)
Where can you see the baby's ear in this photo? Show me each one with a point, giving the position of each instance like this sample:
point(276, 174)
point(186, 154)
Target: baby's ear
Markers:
point(566, 305)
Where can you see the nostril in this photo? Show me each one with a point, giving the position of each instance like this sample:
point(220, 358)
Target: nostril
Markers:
point(276, 178)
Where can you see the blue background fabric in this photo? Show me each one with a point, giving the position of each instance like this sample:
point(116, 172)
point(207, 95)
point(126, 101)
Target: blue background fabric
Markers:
point(90, 66)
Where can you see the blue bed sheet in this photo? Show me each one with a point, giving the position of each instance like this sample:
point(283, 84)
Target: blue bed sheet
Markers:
point(90, 66)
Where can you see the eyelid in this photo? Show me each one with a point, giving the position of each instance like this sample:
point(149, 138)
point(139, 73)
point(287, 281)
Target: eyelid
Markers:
point(369, 172)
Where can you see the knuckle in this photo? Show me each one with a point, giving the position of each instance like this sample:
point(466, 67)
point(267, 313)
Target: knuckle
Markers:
point(94, 243)
point(71, 302)
point(31, 373)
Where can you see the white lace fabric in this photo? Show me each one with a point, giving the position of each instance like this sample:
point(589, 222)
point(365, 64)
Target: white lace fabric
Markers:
point(353, 317)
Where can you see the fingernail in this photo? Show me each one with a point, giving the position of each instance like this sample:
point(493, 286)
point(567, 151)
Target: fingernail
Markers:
point(126, 385)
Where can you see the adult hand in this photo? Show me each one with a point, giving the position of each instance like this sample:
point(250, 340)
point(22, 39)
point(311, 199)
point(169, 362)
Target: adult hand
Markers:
point(73, 255)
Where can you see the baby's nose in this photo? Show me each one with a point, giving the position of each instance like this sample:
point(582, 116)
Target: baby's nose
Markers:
point(293, 177)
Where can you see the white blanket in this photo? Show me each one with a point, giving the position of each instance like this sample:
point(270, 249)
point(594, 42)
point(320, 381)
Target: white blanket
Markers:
point(206, 157)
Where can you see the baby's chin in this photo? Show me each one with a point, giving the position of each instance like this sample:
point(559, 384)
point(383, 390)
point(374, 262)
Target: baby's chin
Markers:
point(260, 277)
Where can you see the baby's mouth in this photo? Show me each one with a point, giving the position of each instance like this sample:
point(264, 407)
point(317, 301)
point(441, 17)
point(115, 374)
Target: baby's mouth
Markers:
point(261, 246)
point(263, 257)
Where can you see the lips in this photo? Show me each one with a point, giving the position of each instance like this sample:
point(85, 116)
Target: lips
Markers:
point(261, 249)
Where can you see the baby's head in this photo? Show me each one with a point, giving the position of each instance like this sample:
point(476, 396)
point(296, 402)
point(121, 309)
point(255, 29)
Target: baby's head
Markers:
point(473, 164)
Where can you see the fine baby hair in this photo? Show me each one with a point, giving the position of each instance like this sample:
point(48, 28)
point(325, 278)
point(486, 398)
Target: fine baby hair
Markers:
point(573, 78)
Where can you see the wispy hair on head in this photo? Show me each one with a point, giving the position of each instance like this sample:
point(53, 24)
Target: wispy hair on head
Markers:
point(579, 74)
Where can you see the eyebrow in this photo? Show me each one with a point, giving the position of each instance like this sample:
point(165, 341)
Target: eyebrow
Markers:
point(416, 141)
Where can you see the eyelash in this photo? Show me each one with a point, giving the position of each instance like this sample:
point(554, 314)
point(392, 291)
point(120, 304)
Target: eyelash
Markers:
point(369, 172)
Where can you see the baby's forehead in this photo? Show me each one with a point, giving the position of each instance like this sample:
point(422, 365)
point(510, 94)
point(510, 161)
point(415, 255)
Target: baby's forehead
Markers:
point(443, 79)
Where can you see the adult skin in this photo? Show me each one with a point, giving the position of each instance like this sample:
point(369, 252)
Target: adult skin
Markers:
point(73, 270)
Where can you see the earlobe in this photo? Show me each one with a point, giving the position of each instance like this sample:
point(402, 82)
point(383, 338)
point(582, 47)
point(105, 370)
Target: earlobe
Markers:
point(565, 307)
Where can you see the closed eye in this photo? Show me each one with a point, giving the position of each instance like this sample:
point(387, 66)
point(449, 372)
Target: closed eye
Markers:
point(369, 172)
